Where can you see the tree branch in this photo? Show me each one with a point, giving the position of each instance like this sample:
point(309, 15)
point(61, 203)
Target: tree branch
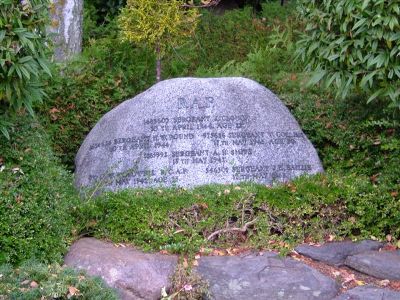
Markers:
point(243, 229)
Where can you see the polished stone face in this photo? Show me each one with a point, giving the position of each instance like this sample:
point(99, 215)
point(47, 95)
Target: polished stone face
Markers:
point(190, 131)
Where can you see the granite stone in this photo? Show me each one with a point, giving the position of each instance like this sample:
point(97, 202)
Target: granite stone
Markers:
point(335, 253)
point(369, 293)
point(190, 131)
point(264, 277)
point(134, 274)
point(382, 264)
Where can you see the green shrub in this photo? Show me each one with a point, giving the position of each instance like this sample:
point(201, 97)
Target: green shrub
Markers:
point(33, 280)
point(36, 198)
point(108, 73)
point(180, 221)
point(353, 45)
point(23, 54)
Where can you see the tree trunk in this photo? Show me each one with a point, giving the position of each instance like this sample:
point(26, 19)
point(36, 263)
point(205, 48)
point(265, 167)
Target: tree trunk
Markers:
point(158, 64)
point(66, 28)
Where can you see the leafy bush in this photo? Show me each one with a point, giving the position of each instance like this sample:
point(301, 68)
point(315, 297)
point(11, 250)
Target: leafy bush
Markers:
point(107, 73)
point(354, 45)
point(33, 280)
point(178, 220)
point(36, 198)
point(159, 24)
point(23, 54)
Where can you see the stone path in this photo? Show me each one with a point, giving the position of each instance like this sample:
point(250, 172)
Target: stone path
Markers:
point(261, 275)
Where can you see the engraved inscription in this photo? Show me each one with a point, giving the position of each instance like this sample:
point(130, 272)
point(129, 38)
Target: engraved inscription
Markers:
point(225, 146)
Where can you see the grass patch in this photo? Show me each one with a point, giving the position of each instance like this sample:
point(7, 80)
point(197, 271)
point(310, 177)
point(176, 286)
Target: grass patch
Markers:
point(36, 197)
point(33, 280)
point(180, 220)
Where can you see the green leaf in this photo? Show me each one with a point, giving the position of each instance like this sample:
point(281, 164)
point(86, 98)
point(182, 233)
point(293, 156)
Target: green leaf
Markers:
point(4, 131)
point(2, 35)
point(316, 77)
point(25, 59)
point(374, 95)
point(44, 64)
point(367, 79)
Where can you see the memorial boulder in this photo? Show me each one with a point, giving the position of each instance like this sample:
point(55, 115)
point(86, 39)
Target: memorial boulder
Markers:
point(191, 131)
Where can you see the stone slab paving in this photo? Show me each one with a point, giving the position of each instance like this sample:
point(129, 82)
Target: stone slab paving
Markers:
point(369, 293)
point(134, 274)
point(264, 277)
point(335, 253)
point(382, 264)
point(138, 275)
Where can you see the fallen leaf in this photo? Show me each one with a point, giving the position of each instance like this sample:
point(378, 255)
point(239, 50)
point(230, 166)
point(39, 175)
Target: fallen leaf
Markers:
point(72, 291)
point(330, 238)
point(18, 199)
point(227, 192)
point(360, 282)
point(195, 263)
point(185, 263)
point(394, 194)
point(203, 205)
point(384, 282)
point(164, 292)
point(336, 273)
point(218, 252)
point(53, 110)
point(389, 247)
point(377, 142)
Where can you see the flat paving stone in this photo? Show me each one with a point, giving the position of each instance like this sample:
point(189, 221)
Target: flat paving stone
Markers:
point(335, 253)
point(264, 277)
point(369, 293)
point(135, 275)
point(382, 264)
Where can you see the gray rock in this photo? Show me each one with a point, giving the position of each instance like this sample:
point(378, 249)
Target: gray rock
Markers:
point(66, 28)
point(264, 277)
point(369, 293)
point(383, 264)
point(134, 274)
point(192, 131)
point(335, 253)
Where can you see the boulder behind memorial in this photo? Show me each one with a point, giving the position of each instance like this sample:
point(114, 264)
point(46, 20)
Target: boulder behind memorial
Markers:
point(190, 131)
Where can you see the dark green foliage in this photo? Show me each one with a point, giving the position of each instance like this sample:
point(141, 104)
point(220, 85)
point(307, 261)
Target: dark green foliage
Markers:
point(180, 221)
point(354, 45)
point(104, 10)
point(53, 282)
point(22, 55)
point(36, 197)
point(108, 73)
point(360, 148)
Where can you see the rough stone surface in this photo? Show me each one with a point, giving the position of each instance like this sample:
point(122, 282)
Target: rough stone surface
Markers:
point(335, 253)
point(192, 131)
point(369, 293)
point(382, 264)
point(264, 277)
point(134, 274)
point(66, 28)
